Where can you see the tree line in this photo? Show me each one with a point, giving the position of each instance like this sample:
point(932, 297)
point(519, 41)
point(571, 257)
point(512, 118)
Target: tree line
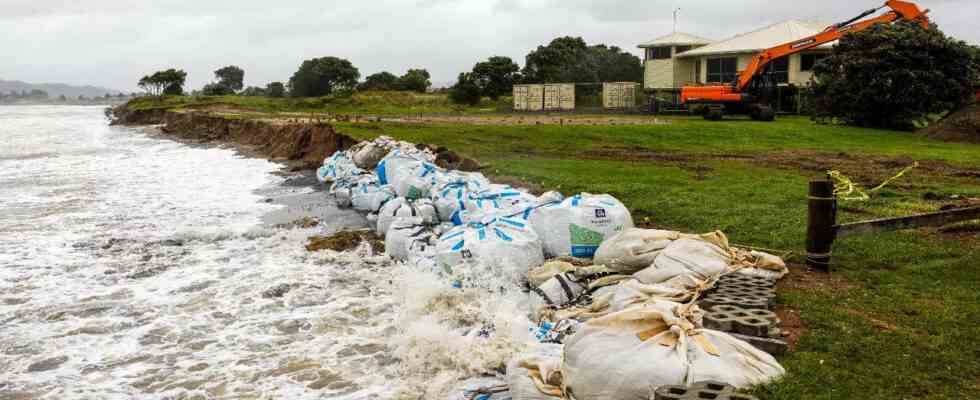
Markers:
point(564, 59)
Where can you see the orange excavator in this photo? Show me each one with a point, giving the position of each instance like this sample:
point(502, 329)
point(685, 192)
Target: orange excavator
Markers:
point(754, 86)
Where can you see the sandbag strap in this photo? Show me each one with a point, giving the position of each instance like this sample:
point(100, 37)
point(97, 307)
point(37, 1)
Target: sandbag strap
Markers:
point(564, 286)
point(472, 395)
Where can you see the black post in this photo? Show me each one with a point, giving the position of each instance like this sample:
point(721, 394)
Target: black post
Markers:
point(820, 225)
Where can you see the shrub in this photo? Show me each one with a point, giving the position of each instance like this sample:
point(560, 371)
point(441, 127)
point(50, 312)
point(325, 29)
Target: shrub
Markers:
point(465, 91)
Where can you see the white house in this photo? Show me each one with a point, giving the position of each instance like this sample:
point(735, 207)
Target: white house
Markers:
point(681, 59)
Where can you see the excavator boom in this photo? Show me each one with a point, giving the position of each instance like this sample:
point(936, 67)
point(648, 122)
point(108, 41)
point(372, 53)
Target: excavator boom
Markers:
point(735, 93)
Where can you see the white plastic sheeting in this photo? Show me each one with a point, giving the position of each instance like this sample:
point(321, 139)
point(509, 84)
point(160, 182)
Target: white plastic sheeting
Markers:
point(629, 354)
point(579, 224)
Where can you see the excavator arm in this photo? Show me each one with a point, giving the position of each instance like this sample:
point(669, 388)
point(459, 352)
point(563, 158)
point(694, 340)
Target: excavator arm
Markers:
point(901, 10)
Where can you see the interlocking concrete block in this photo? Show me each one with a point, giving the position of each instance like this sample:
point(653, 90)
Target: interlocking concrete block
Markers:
point(776, 347)
point(734, 319)
point(708, 390)
point(713, 299)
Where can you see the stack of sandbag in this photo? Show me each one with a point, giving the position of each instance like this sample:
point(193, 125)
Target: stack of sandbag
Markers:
point(629, 354)
point(536, 374)
point(507, 246)
point(398, 208)
point(578, 225)
point(694, 260)
point(635, 249)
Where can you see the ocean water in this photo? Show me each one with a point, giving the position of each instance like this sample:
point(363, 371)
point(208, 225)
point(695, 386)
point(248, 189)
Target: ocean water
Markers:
point(134, 266)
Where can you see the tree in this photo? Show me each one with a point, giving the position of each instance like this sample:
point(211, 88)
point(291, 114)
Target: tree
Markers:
point(231, 77)
point(322, 76)
point(216, 89)
point(170, 80)
point(416, 80)
point(380, 81)
point(63, 98)
point(38, 94)
point(465, 91)
point(892, 76)
point(570, 59)
point(275, 89)
point(174, 90)
point(496, 76)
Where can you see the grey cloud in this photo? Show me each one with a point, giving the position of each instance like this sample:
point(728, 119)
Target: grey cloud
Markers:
point(112, 43)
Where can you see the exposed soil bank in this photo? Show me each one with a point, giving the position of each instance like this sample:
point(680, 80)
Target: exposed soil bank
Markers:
point(302, 145)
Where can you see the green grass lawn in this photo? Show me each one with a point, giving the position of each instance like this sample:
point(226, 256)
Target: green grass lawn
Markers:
point(901, 322)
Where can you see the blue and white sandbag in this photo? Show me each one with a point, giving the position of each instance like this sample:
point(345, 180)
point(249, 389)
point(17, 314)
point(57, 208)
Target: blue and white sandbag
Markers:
point(407, 238)
point(342, 190)
point(422, 210)
point(498, 200)
point(499, 246)
point(579, 224)
point(368, 195)
point(415, 180)
point(398, 161)
point(337, 167)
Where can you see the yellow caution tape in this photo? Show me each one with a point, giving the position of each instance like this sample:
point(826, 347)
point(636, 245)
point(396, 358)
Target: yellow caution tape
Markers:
point(846, 189)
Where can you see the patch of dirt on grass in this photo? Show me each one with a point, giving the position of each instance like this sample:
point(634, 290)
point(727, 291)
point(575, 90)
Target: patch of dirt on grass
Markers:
point(802, 278)
point(960, 126)
point(791, 325)
point(346, 241)
point(879, 324)
point(862, 168)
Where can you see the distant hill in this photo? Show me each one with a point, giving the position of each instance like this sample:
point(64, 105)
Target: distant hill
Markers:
point(55, 89)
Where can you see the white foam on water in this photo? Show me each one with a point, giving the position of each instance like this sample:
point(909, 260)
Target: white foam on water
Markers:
point(136, 266)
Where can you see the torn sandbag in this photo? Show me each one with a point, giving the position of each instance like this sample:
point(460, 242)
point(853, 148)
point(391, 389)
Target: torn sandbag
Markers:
point(628, 354)
point(401, 207)
point(579, 224)
point(635, 249)
point(368, 195)
point(367, 155)
point(561, 290)
point(507, 246)
point(536, 374)
point(539, 275)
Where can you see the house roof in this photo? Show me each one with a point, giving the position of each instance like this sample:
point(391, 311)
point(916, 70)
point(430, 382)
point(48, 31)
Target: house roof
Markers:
point(676, 39)
point(761, 39)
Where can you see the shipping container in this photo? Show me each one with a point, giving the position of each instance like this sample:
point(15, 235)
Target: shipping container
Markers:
point(619, 95)
point(535, 97)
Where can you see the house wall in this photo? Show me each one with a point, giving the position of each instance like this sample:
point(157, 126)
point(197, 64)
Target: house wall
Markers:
point(684, 72)
point(796, 77)
point(659, 74)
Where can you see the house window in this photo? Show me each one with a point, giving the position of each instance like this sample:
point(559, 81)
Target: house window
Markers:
point(722, 70)
point(810, 60)
point(778, 70)
point(658, 53)
point(681, 49)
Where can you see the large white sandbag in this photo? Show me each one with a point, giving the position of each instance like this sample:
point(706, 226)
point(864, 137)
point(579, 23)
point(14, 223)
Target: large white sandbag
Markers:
point(634, 249)
point(366, 155)
point(497, 200)
point(536, 374)
point(401, 207)
point(629, 354)
point(508, 247)
point(452, 190)
point(578, 225)
point(399, 161)
point(337, 167)
point(687, 263)
point(369, 195)
point(402, 236)
point(414, 181)
point(632, 292)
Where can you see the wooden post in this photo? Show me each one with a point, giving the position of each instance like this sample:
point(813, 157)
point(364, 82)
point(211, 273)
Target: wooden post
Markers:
point(820, 231)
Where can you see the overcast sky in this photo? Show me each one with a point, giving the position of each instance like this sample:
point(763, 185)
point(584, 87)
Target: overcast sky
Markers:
point(112, 43)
